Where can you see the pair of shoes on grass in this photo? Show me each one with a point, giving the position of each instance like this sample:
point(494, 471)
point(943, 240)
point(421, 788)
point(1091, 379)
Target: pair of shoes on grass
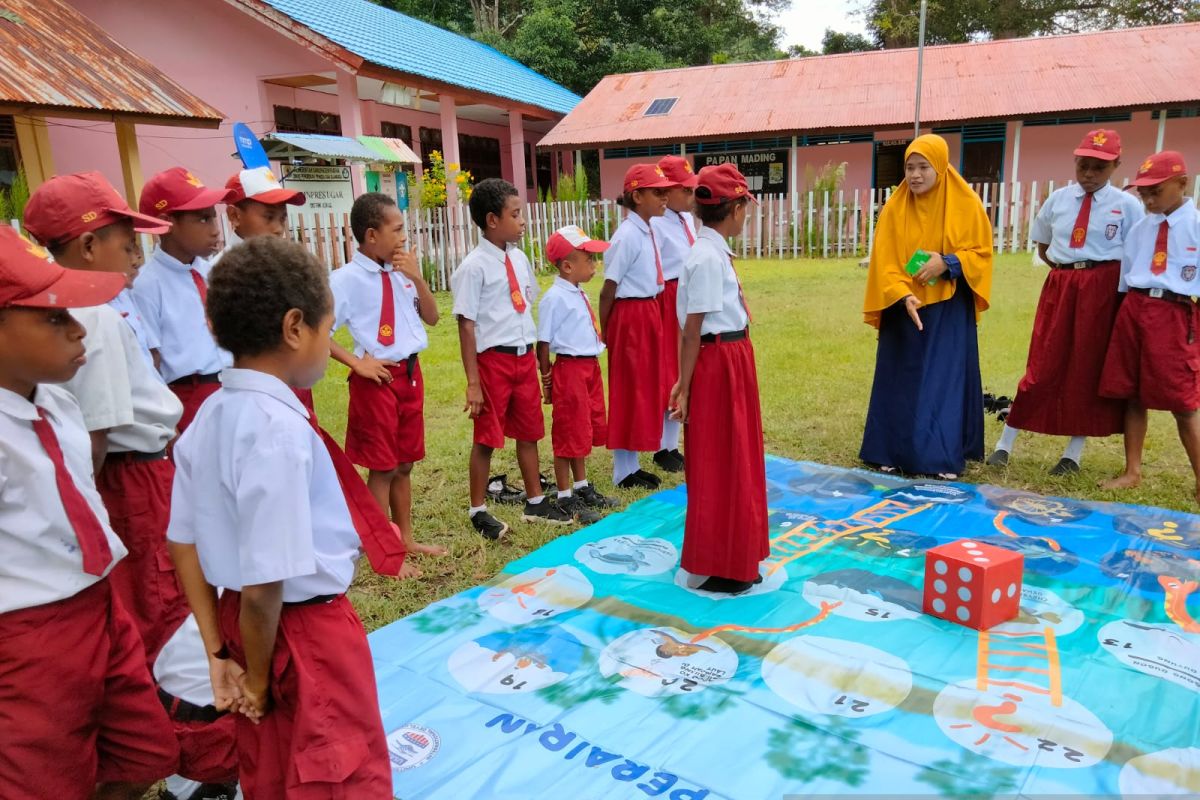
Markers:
point(1065, 466)
point(578, 508)
point(669, 460)
point(640, 480)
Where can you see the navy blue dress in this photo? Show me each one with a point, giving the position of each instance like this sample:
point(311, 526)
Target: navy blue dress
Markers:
point(926, 412)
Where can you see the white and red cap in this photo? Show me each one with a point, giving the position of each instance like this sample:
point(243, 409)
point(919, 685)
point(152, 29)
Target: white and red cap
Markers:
point(565, 241)
point(261, 185)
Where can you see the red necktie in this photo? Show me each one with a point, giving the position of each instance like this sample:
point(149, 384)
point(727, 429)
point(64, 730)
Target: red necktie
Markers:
point(201, 287)
point(380, 538)
point(387, 311)
point(1079, 232)
point(1159, 265)
point(741, 294)
point(687, 229)
point(93, 543)
point(657, 259)
point(514, 288)
point(592, 314)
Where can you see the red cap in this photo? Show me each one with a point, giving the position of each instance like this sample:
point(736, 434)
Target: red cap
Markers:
point(647, 176)
point(68, 206)
point(28, 278)
point(1160, 167)
point(261, 185)
point(565, 241)
point(176, 189)
point(678, 169)
point(721, 182)
point(1103, 144)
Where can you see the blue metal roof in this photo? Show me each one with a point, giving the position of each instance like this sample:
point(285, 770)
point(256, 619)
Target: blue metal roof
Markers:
point(400, 42)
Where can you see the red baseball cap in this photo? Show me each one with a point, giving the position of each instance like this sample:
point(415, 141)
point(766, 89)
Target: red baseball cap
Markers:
point(647, 176)
point(1102, 143)
point(1160, 167)
point(565, 241)
point(68, 206)
point(678, 169)
point(261, 185)
point(28, 278)
point(176, 189)
point(721, 182)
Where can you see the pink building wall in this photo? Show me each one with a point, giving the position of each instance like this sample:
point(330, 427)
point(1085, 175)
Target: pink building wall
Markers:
point(221, 55)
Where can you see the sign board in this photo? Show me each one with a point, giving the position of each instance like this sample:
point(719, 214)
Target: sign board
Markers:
point(328, 191)
point(766, 171)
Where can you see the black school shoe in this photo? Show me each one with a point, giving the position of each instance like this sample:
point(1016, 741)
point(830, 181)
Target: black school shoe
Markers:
point(639, 480)
point(547, 511)
point(488, 526)
point(498, 491)
point(728, 585)
point(669, 460)
point(578, 509)
point(593, 499)
point(1065, 466)
point(998, 458)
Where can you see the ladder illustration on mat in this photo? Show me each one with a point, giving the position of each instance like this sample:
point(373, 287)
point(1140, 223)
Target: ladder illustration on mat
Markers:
point(1036, 671)
point(813, 535)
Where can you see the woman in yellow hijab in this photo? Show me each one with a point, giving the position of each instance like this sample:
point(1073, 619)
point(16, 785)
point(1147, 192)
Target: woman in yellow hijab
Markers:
point(926, 412)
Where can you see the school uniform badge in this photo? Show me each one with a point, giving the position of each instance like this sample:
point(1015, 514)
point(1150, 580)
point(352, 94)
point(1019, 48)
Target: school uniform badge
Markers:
point(1189, 272)
point(1110, 231)
point(411, 746)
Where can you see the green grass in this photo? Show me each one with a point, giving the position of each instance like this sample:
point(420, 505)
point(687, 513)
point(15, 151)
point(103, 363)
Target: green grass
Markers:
point(816, 360)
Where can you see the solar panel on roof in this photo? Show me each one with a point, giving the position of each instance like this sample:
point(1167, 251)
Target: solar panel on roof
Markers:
point(661, 107)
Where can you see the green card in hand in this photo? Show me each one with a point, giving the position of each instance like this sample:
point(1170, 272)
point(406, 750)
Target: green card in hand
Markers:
point(918, 260)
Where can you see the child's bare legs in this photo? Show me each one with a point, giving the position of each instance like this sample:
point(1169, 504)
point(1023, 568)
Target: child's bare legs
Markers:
point(379, 482)
point(527, 460)
point(1135, 440)
point(568, 472)
point(119, 791)
point(1189, 434)
point(401, 504)
point(481, 464)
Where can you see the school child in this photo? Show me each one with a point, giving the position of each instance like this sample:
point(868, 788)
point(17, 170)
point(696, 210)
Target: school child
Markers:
point(269, 509)
point(386, 304)
point(567, 327)
point(78, 703)
point(494, 291)
point(1153, 360)
point(172, 287)
point(127, 409)
point(631, 323)
point(675, 233)
point(1080, 232)
point(725, 532)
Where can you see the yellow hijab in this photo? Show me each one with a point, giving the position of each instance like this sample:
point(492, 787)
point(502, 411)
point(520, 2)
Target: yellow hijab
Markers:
point(948, 219)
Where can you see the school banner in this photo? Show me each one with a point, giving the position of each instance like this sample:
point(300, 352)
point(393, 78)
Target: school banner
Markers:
point(327, 189)
point(589, 669)
point(766, 171)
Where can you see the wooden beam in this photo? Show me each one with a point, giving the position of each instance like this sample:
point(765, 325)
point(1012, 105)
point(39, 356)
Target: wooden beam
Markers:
point(96, 115)
point(131, 161)
point(302, 81)
point(33, 142)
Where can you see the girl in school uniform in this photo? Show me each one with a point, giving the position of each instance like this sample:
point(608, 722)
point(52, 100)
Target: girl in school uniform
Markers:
point(725, 533)
point(631, 324)
point(1081, 233)
point(926, 412)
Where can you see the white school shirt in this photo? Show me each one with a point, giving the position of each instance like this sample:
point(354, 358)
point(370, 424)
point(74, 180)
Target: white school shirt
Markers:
point(127, 307)
point(709, 286)
point(358, 300)
point(1113, 215)
point(181, 668)
point(480, 288)
point(564, 322)
point(256, 492)
point(174, 314)
point(1182, 258)
point(629, 260)
point(40, 559)
point(117, 390)
point(672, 240)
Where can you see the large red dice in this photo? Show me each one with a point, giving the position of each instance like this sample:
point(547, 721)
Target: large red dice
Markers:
point(974, 584)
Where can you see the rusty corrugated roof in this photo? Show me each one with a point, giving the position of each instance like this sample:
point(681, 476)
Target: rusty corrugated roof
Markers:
point(1122, 69)
point(53, 57)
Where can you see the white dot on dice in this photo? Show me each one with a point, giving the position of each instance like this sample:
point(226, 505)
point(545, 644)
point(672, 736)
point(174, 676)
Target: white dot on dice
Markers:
point(939, 605)
point(980, 560)
point(995, 595)
point(964, 575)
point(969, 544)
point(962, 613)
point(939, 586)
point(1012, 589)
point(964, 594)
point(975, 552)
point(939, 567)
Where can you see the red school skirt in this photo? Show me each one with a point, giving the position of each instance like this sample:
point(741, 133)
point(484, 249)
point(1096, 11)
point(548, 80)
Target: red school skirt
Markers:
point(670, 337)
point(635, 391)
point(725, 531)
point(1060, 393)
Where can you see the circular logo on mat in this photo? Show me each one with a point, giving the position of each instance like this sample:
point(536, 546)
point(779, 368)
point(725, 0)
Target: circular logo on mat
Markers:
point(412, 746)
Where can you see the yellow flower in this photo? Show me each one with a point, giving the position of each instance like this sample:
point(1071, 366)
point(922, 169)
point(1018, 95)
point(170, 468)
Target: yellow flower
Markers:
point(453, 166)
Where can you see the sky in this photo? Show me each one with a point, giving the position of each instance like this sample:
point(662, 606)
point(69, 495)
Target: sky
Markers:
point(805, 22)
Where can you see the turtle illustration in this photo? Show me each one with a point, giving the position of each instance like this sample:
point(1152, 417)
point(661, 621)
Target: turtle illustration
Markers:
point(630, 561)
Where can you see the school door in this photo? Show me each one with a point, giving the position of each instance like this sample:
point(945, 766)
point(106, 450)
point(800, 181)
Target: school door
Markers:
point(889, 164)
point(982, 162)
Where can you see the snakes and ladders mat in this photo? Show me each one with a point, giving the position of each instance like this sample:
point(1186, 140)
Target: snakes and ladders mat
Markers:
point(591, 669)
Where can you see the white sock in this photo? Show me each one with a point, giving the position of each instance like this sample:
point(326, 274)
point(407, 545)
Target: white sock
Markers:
point(581, 484)
point(625, 463)
point(563, 494)
point(473, 510)
point(533, 501)
point(1007, 439)
point(1074, 449)
point(670, 436)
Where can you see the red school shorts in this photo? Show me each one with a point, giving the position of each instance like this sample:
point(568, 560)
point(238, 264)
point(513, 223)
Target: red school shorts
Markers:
point(578, 421)
point(192, 395)
point(385, 426)
point(1150, 359)
point(137, 495)
point(77, 703)
point(512, 399)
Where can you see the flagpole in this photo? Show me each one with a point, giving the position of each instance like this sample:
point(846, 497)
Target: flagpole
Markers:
point(920, 70)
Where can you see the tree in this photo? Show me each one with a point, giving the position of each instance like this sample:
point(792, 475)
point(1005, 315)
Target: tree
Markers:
point(838, 42)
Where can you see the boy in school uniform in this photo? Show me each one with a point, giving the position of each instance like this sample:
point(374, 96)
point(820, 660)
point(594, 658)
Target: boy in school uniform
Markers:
point(675, 233)
point(80, 715)
point(382, 298)
point(268, 508)
point(172, 287)
point(573, 385)
point(494, 290)
point(127, 409)
point(1153, 359)
point(1081, 232)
